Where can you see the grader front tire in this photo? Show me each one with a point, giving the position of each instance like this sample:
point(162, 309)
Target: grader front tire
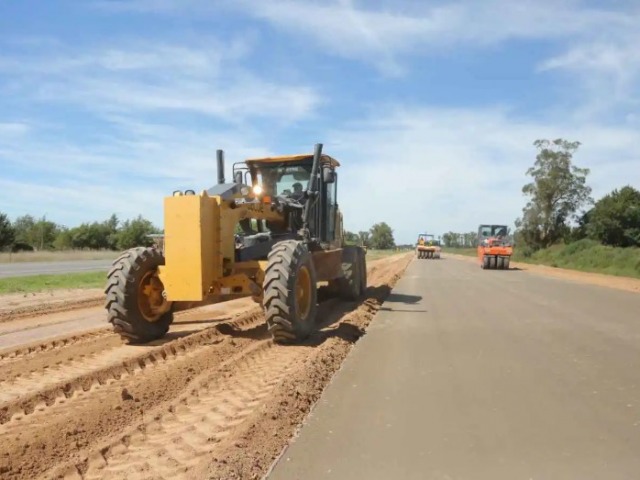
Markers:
point(290, 292)
point(134, 302)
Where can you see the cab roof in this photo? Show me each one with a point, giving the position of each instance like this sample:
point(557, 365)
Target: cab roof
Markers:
point(324, 159)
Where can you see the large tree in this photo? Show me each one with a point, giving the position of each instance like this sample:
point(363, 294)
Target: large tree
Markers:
point(39, 234)
point(133, 233)
point(382, 237)
point(7, 234)
point(365, 238)
point(615, 218)
point(351, 238)
point(557, 192)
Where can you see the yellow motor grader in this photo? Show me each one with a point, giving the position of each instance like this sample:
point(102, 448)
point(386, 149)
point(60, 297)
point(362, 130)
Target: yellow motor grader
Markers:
point(273, 233)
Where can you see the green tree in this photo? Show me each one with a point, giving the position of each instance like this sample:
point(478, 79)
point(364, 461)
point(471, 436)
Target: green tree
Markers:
point(382, 236)
point(133, 233)
point(24, 228)
point(365, 238)
point(615, 218)
point(64, 239)
point(44, 234)
point(7, 233)
point(557, 192)
point(351, 238)
point(39, 234)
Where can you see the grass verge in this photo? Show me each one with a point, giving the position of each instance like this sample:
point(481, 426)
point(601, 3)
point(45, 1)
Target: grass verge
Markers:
point(43, 283)
point(583, 255)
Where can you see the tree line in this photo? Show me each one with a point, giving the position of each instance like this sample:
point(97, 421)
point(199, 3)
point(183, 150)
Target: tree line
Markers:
point(27, 233)
point(560, 208)
point(379, 237)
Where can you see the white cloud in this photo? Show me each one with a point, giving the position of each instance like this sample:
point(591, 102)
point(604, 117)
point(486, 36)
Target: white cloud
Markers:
point(12, 129)
point(143, 77)
point(380, 33)
point(607, 68)
point(448, 169)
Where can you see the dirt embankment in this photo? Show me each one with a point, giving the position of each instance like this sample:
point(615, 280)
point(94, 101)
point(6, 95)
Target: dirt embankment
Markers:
point(210, 401)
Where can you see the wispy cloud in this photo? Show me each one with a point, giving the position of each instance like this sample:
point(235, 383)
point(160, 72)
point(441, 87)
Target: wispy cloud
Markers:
point(607, 67)
point(381, 33)
point(149, 76)
point(460, 167)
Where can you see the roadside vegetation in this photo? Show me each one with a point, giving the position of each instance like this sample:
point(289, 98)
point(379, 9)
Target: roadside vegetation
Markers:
point(43, 283)
point(562, 226)
point(29, 239)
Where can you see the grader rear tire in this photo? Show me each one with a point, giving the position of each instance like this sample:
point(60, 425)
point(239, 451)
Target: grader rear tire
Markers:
point(290, 292)
point(363, 271)
point(350, 284)
point(134, 302)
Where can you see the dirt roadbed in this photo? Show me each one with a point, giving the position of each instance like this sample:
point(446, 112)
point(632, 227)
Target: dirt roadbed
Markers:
point(215, 399)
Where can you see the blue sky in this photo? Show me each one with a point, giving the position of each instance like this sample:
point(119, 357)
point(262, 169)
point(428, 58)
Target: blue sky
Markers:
point(432, 107)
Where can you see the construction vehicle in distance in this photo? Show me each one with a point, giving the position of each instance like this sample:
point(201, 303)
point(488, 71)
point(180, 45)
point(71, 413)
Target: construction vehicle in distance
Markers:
point(273, 234)
point(428, 246)
point(495, 247)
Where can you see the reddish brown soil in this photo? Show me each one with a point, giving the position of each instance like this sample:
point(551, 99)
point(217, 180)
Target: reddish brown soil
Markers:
point(216, 399)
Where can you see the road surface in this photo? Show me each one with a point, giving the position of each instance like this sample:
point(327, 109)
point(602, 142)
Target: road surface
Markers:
point(22, 269)
point(472, 374)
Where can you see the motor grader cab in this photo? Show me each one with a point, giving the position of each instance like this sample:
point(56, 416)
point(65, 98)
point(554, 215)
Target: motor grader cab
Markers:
point(261, 236)
point(427, 246)
point(495, 247)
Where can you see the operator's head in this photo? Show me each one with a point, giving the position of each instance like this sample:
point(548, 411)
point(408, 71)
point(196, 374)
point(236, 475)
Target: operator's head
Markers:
point(297, 187)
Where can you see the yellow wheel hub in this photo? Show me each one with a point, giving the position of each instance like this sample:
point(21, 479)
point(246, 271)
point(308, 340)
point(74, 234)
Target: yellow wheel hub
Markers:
point(303, 293)
point(151, 303)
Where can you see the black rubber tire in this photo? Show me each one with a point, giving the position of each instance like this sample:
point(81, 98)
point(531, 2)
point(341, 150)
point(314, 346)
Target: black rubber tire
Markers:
point(122, 290)
point(492, 262)
point(486, 262)
point(500, 263)
point(349, 284)
point(280, 302)
point(507, 262)
point(363, 271)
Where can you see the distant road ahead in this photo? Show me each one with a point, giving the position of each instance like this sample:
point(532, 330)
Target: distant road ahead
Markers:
point(48, 268)
point(482, 375)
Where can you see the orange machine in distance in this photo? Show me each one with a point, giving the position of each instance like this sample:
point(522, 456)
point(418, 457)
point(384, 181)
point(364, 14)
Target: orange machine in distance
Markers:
point(495, 247)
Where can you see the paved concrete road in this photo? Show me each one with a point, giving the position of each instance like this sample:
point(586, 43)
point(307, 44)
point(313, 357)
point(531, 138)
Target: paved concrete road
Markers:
point(42, 268)
point(471, 374)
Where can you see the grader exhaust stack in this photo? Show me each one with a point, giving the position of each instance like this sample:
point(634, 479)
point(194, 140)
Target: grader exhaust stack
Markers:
point(220, 161)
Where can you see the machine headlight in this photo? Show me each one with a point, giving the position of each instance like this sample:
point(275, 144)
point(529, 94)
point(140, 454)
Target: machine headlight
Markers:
point(257, 189)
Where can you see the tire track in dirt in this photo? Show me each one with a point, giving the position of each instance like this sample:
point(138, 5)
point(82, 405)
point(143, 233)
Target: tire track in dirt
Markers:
point(53, 386)
point(37, 442)
point(70, 423)
point(36, 349)
point(188, 430)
